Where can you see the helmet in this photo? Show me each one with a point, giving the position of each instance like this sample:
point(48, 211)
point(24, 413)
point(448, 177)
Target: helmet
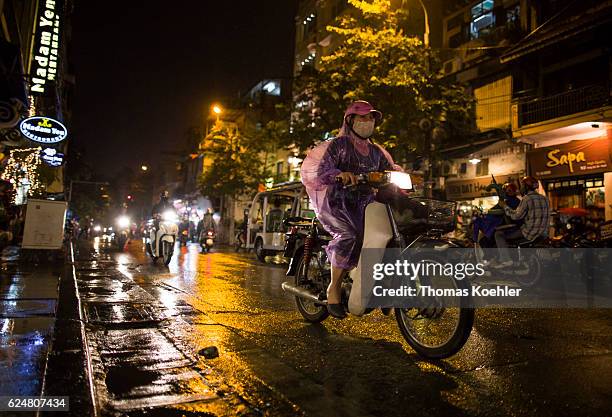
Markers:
point(362, 108)
point(530, 183)
point(510, 186)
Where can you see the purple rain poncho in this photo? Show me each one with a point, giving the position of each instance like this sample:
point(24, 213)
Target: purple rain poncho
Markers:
point(340, 211)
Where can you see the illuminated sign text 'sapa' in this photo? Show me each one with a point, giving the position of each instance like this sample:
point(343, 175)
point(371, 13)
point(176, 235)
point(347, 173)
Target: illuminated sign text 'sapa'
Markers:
point(43, 130)
point(45, 61)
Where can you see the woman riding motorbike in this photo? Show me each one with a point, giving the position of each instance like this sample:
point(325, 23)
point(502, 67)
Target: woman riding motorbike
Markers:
point(325, 171)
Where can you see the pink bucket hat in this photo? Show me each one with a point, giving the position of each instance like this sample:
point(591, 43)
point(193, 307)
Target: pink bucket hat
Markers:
point(362, 108)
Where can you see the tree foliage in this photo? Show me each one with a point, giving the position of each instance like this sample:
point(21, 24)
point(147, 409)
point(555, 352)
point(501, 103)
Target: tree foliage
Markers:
point(379, 62)
point(232, 162)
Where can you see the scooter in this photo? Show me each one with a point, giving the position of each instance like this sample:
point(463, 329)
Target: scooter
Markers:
point(163, 237)
point(207, 240)
point(122, 233)
point(432, 331)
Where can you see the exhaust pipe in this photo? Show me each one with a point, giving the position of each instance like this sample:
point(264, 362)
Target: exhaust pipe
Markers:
point(290, 287)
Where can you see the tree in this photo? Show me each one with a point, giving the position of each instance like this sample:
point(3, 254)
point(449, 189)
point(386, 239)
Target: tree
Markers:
point(379, 62)
point(232, 162)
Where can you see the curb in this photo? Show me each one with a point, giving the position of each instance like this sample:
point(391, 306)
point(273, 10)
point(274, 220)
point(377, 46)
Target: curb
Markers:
point(69, 363)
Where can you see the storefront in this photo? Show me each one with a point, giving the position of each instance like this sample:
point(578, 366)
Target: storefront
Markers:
point(575, 174)
point(472, 171)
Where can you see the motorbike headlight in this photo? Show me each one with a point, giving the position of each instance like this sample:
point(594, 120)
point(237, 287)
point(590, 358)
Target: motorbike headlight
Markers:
point(170, 216)
point(401, 179)
point(97, 228)
point(209, 233)
point(123, 222)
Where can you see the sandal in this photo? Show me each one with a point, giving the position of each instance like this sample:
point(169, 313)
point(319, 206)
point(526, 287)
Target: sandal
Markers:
point(336, 310)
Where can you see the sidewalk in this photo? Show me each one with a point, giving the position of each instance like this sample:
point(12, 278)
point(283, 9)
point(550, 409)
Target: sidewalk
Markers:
point(39, 328)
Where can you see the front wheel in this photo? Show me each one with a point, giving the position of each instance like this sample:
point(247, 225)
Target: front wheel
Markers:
point(438, 328)
point(311, 311)
point(167, 249)
point(413, 323)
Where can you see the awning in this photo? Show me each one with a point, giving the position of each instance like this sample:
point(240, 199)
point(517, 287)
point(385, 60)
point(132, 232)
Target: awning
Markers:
point(578, 17)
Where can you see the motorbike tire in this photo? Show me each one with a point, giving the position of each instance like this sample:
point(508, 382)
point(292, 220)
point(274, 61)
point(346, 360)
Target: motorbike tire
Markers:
point(454, 343)
point(321, 312)
point(260, 252)
point(121, 241)
point(167, 250)
point(149, 250)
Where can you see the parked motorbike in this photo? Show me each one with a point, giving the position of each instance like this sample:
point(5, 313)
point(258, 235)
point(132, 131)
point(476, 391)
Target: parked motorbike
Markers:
point(432, 331)
point(122, 231)
point(163, 236)
point(207, 240)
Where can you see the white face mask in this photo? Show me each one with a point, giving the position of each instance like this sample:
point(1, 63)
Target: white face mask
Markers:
point(365, 129)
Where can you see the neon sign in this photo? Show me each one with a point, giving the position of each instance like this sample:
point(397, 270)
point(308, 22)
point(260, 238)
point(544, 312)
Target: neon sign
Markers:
point(43, 129)
point(46, 46)
point(52, 157)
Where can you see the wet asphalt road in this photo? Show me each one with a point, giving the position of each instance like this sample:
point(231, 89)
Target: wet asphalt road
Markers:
point(146, 325)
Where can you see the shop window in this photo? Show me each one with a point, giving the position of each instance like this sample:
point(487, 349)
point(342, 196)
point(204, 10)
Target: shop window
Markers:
point(482, 19)
point(595, 198)
point(482, 168)
point(279, 168)
point(463, 168)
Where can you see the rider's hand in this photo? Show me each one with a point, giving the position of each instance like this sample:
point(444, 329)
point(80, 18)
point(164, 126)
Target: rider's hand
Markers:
point(347, 178)
point(502, 203)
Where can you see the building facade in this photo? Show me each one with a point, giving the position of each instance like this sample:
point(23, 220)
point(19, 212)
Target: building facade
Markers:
point(36, 80)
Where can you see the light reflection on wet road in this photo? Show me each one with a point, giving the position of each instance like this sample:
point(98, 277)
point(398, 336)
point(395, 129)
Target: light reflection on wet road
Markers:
point(273, 363)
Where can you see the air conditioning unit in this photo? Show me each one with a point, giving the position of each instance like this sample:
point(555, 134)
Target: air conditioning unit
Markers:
point(452, 65)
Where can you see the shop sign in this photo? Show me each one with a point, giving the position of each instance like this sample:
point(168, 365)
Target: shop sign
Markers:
point(474, 187)
point(52, 157)
point(47, 38)
point(578, 157)
point(43, 130)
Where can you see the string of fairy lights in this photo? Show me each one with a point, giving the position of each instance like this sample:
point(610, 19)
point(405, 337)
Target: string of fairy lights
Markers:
point(21, 169)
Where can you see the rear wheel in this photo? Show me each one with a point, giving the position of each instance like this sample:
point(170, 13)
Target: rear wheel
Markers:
point(311, 311)
point(260, 251)
point(166, 252)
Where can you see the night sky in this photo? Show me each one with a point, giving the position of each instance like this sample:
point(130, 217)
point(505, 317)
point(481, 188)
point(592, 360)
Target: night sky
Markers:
point(145, 70)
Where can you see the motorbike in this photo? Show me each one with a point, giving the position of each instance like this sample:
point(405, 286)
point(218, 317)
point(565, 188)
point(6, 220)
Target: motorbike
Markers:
point(162, 237)
point(122, 232)
point(207, 239)
point(183, 233)
point(527, 269)
point(432, 331)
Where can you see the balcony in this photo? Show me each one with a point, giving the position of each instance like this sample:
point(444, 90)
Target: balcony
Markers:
point(536, 110)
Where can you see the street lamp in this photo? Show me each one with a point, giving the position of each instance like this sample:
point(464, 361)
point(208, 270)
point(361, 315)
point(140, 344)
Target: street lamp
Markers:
point(217, 110)
point(426, 32)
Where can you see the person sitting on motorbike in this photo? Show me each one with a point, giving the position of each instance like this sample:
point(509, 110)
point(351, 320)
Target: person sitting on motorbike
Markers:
point(158, 210)
point(184, 225)
point(484, 226)
point(341, 211)
point(163, 205)
point(207, 223)
point(533, 209)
